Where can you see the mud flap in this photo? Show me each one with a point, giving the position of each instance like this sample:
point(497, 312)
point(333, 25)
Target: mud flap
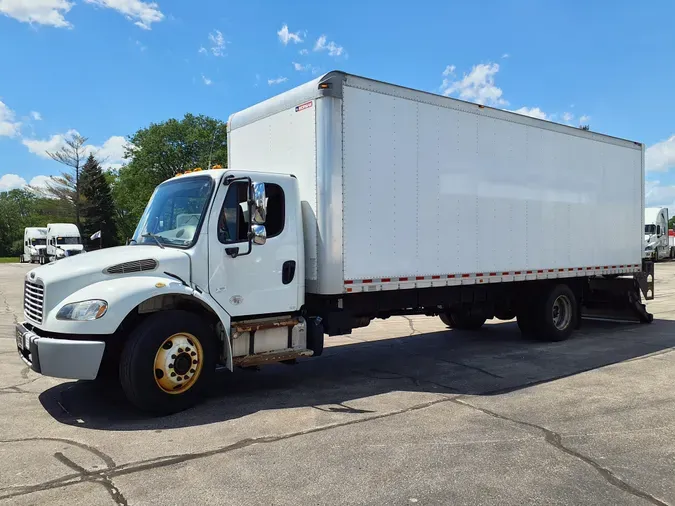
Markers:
point(619, 298)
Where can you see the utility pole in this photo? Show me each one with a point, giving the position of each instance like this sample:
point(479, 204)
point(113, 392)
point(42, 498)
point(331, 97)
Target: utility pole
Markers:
point(213, 140)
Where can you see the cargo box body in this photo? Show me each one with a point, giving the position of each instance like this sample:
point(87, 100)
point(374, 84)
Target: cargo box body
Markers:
point(406, 189)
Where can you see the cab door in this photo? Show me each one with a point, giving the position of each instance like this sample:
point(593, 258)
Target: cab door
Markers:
point(249, 279)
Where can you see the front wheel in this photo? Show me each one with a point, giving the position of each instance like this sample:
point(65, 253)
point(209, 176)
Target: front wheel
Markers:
point(168, 361)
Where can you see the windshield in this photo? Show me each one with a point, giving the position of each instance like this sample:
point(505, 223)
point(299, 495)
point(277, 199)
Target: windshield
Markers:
point(39, 242)
point(175, 212)
point(68, 240)
point(650, 229)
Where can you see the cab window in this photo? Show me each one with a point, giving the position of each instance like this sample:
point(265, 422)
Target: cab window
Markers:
point(233, 222)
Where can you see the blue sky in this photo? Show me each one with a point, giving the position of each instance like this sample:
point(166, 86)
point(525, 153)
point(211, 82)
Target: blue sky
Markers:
point(108, 67)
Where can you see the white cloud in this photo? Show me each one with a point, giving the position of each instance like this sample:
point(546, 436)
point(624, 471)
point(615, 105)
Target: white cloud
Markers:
point(568, 117)
point(584, 119)
point(202, 50)
point(303, 51)
point(533, 112)
point(206, 80)
point(286, 36)
point(278, 80)
point(41, 12)
point(332, 48)
point(477, 86)
point(300, 67)
point(11, 182)
point(110, 153)
point(660, 196)
point(41, 147)
point(217, 43)
point(9, 127)
point(40, 181)
point(506, 55)
point(449, 71)
point(142, 13)
point(661, 156)
point(36, 115)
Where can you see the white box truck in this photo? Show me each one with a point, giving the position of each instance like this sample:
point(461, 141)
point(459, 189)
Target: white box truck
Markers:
point(657, 241)
point(34, 245)
point(63, 240)
point(345, 200)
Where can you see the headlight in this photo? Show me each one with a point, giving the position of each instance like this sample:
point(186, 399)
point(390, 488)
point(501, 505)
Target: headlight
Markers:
point(83, 311)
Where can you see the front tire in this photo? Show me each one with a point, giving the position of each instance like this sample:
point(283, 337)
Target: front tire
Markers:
point(168, 361)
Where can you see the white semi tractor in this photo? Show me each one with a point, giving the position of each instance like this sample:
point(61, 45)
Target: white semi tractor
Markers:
point(657, 242)
point(34, 244)
point(63, 240)
point(348, 199)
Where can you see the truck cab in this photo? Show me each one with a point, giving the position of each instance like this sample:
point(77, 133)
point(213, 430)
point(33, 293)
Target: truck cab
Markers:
point(63, 240)
point(657, 243)
point(213, 274)
point(34, 245)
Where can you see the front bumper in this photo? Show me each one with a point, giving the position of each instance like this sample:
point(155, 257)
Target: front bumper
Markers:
point(60, 358)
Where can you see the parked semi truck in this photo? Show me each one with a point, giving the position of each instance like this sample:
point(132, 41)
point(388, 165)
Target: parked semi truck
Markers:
point(345, 200)
point(63, 240)
point(657, 242)
point(34, 244)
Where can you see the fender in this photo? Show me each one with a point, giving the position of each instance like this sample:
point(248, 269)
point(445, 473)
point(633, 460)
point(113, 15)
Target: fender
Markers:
point(123, 295)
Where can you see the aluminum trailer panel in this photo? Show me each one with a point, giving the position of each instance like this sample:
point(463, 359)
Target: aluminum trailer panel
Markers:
point(406, 189)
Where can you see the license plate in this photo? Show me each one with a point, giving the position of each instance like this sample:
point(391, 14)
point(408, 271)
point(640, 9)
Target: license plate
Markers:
point(19, 339)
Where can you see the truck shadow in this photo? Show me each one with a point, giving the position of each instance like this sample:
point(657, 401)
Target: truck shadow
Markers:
point(493, 361)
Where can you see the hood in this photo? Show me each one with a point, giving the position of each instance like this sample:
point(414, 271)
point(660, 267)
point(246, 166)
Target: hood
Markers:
point(65, 276)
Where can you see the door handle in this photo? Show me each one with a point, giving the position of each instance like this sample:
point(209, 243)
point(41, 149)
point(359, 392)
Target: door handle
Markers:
point(288, 272)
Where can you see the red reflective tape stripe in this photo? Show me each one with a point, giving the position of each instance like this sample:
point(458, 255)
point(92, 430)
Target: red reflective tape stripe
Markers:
point(435, 277)
point(367, 281)
point(451, 276)
point(349, 282)
point(571, 269)
point(561, 270)
point(550, 270)
point(540, 271)
point(479, 274)
point(403, 279)
point(606, 267)
point(505, 273)
point(465, 275)
point(518, 272)
point(419, 278)
point(580, 268)
point(386, 280)
point(349, 289)
point(493, 274)
point(613, 266)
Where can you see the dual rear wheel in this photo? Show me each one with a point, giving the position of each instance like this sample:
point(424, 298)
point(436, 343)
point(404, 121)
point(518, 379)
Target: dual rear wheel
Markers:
point(552, 315)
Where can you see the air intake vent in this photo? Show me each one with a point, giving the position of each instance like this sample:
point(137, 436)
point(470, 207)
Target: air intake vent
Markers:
point(135, 266)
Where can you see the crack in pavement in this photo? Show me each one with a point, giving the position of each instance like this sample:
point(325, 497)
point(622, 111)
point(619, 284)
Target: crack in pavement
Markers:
point(170, 460)
point(473, 367)
point(555, 440)
point(102, 479)
point(411, 324)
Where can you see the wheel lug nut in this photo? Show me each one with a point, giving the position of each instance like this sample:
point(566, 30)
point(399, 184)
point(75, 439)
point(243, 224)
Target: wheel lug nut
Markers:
point(173, 374)
point(180, 350)
point(173, 356)
point(170, 366)
point(179, 378)
point(195, 362)
point(194, 353)
point(187, 349)
point(192, 371)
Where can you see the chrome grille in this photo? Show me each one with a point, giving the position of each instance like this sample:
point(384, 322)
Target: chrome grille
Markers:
point(135, 266)
point(33, 301)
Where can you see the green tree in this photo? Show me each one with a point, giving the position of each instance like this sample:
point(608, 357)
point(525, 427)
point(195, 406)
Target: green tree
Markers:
point(98, 207)
point(157, 153)
point(66, 187)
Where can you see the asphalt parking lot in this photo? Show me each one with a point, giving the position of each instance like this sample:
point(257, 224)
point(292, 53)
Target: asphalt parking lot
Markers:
point(402, 412)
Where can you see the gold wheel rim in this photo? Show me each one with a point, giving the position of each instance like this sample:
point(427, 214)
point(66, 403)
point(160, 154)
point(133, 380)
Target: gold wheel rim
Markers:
point(178, 363)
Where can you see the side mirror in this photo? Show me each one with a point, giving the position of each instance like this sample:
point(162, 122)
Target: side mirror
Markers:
point(259, 234)
point(259, 208)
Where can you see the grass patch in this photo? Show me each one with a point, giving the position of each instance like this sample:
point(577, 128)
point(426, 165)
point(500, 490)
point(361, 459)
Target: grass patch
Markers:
point(9, 260)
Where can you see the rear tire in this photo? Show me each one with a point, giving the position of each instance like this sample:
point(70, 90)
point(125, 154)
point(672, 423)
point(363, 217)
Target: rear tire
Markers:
point(168, 361)
point(463, 320)
point(553, 317)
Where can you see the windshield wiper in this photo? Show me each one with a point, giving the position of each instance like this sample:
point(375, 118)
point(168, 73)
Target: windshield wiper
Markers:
point(155, 237)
